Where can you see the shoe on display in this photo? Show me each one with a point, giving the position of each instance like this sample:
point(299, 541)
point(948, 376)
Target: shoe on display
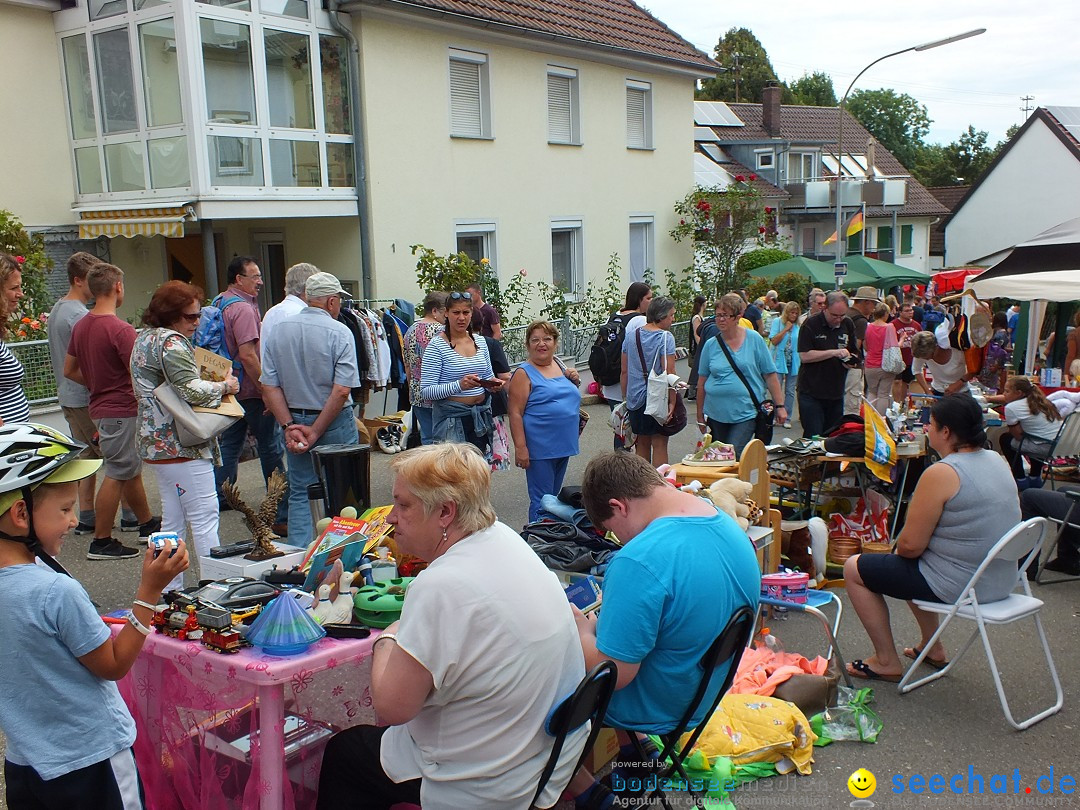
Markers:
point(110, 548)
point(385, 441)
point(406, 428)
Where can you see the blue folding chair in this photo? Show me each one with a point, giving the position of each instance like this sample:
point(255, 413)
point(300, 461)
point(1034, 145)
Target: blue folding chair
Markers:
point(815, 600)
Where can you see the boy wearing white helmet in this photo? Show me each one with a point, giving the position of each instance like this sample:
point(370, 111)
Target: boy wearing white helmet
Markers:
point(69, 734)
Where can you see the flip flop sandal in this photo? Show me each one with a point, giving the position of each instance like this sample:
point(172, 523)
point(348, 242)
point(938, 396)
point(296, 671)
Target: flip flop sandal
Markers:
point(933, 663)
point(860, 669)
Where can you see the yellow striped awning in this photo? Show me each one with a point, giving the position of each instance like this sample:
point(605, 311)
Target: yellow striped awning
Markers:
point(165, 221)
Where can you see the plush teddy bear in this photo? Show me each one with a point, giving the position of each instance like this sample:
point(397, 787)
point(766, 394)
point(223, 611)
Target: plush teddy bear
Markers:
point(731, 495)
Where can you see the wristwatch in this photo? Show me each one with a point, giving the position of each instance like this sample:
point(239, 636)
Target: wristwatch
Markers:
point(288, 425)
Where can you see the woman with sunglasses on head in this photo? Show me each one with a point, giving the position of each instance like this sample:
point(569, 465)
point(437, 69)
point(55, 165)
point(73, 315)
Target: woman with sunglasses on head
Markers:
point(13, 403)
point(185, 475)
point(456, 376)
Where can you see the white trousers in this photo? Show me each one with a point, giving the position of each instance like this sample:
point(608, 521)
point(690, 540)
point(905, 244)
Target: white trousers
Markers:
point(189, 498)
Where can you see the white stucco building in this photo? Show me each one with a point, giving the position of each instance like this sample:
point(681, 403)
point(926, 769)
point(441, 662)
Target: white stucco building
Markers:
point(1032, 185)
point(169, 136)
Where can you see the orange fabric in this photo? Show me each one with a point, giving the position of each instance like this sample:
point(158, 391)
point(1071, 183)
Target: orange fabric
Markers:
point(761, 670)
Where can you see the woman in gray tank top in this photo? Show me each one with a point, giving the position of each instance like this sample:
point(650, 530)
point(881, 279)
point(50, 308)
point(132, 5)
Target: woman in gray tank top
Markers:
point(961, 507)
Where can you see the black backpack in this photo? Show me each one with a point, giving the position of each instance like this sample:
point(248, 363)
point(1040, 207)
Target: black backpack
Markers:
point(605, 358)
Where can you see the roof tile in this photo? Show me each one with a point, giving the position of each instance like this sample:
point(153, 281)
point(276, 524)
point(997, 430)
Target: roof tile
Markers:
point(609, 23)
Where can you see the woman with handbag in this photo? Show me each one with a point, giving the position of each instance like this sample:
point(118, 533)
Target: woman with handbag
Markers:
point(883, 358)
point(735, 371)
point(784, 340)
point(544, 406)
point(647, 355)
point(163, 353)
point(456, 376)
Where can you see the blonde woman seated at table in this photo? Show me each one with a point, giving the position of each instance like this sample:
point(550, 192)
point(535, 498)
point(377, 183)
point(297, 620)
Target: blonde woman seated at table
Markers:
point(465, 681)
point(961, 507)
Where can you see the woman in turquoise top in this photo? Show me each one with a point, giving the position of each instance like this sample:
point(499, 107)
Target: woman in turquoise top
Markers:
point(784, 341)
point(544, 405)
point(723, 398)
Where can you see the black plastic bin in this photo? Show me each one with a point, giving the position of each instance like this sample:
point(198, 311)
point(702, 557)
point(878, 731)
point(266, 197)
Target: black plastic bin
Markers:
point(345, 473)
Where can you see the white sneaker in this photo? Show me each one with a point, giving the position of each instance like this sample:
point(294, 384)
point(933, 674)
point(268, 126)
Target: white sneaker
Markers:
point(787, 425)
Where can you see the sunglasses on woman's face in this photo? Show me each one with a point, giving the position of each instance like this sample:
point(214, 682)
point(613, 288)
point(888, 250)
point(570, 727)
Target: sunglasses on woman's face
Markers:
point(461, 296)
point(191, 317)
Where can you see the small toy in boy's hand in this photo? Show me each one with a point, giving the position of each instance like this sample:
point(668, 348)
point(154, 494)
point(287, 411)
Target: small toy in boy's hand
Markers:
point(159, 541)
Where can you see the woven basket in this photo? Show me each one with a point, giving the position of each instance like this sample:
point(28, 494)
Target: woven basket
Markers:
point(840, 548)
point(873, 547)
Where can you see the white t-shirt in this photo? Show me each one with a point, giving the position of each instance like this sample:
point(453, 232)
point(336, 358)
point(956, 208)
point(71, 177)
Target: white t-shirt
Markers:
point(495, 630)
point(286, 308)
point(945, 374)
point(613, 393)
point(1033, 424)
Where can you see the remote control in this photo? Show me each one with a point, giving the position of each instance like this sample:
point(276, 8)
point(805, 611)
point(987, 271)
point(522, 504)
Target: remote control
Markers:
point(233, 549)
point(346, 630)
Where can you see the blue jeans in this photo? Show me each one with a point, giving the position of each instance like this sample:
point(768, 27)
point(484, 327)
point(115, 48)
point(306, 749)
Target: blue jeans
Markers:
point(544, 477)
point(271, 442)
point(424, 423)
point(818, 414)
point(733, 433)
point(302, 472)
point(788, 384)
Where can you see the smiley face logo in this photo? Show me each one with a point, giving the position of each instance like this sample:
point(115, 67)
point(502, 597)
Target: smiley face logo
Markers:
point(862, 784)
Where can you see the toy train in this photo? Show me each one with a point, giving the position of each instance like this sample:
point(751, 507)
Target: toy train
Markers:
point(209, 624)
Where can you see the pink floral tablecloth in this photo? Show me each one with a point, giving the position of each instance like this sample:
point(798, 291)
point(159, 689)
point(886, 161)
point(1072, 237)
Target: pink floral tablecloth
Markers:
point(197, 712)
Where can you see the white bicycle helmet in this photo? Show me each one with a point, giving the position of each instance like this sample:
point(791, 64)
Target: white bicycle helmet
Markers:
point(32, 454)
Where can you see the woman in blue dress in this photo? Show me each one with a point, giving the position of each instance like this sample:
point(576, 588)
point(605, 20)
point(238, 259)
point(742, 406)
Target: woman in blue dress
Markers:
point(544, 406)
point(783, 341)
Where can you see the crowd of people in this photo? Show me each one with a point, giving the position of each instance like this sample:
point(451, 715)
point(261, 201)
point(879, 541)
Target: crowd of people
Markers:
point(464, 723)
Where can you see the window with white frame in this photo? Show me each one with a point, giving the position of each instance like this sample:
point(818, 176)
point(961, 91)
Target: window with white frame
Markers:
point(266, 86)
point(639, 134)
point(567, 256)
point(476, 240)
point(564, 125)
point(641, 247)
point(470, 97)
point(801, 167)
point(765, 160)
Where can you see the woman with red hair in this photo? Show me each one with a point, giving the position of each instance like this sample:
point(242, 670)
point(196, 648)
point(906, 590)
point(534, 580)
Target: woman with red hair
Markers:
point(185, 475)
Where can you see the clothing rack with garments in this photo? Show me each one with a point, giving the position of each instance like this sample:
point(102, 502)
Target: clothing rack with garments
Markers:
point(380, 353)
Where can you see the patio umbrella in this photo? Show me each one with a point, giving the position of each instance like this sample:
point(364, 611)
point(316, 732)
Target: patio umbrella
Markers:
point(820, 274)
point(884, 274)
point(1046, 267)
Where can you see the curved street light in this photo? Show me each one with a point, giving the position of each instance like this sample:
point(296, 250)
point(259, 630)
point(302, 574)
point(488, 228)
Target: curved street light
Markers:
point(841, 241)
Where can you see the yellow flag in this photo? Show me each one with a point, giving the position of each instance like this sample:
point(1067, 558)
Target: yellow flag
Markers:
point(831, 239)
point(855, 225)
point(880, 448)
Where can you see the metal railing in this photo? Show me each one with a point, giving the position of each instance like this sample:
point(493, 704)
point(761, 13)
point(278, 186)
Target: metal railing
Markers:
point(574, 342)
point(39, 384)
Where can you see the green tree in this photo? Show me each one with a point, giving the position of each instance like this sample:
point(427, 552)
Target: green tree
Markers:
point(36, 301)
point(722, 225)
point(750, 71)
point(897, 120)
point(814, 89)
point(959, 163)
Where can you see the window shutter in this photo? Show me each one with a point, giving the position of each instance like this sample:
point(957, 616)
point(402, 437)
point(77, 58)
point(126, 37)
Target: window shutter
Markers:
point(906, 238)
point(466, 116)
point(560, 122)
point(635, 118)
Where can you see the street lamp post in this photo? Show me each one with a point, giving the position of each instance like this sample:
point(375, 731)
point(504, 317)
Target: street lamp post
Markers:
point(841, 240)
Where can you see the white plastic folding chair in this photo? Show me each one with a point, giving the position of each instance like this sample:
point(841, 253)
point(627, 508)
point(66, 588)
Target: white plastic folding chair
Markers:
point(1066, 443)
point(1023, 541)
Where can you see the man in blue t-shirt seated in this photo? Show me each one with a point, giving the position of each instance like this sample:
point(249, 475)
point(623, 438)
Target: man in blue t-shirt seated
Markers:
point(668, 594)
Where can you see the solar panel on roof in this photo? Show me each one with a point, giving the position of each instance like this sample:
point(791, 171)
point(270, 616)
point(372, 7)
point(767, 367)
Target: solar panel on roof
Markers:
point(715, 113)
point(1069, 118)
point(707, 173)
point(705, 135)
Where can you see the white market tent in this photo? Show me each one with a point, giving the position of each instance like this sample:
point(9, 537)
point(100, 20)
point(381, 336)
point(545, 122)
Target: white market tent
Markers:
point(1045, 268)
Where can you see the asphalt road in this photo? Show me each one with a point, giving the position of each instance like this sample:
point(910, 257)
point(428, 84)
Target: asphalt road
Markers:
point(946, 728)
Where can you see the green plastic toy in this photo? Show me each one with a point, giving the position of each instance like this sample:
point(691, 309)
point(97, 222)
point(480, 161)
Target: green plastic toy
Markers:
point(379, 605)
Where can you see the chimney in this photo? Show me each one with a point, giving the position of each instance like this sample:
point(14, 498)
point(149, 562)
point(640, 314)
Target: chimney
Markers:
point(770, 109)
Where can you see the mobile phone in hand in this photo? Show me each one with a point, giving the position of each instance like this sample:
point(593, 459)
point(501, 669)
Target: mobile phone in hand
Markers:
point(491, 384)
